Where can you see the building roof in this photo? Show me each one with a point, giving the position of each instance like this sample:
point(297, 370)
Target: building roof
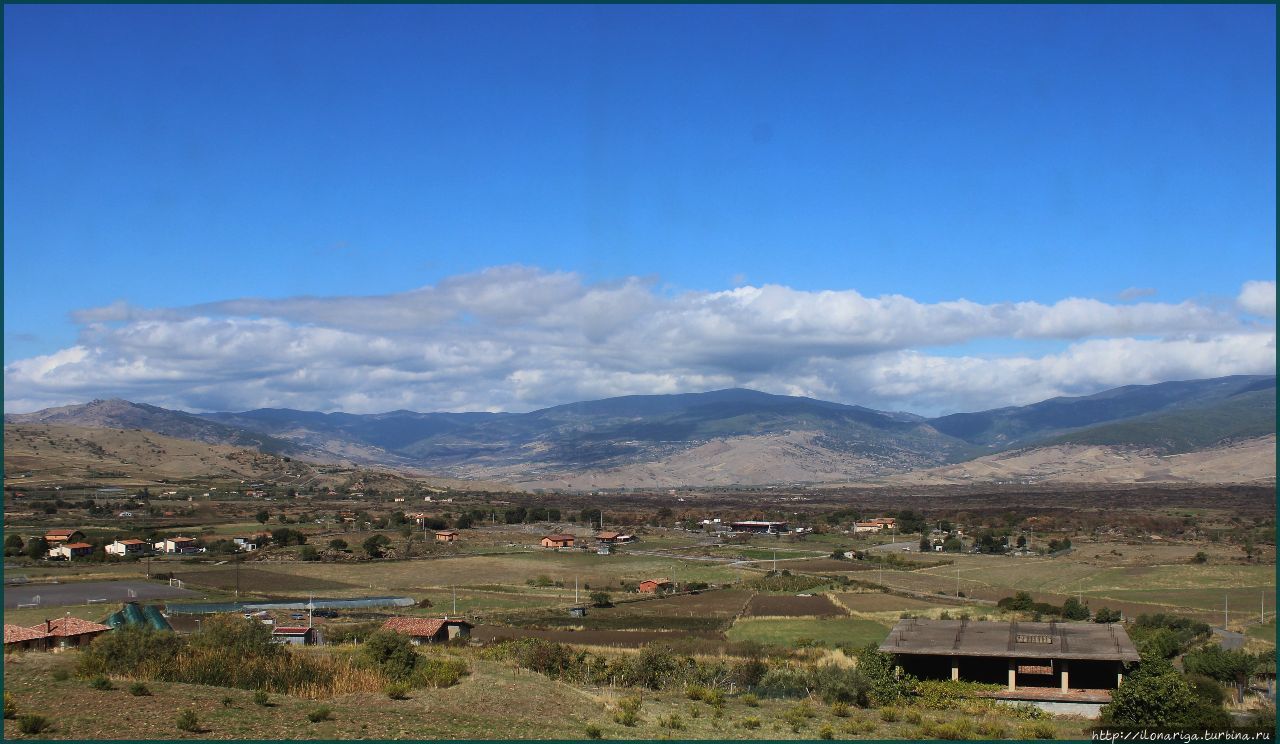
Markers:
point(559, 537)
point(60, 533)
point(656, 581)
point(78, 545)
point(421, 626)
point(69, 626)
point(17, 633)
point(1051, 640)
point(181, 539)
point(757, 523)
point(132, 541)
point(609, 535)
point(447, 532)
point(290, 630)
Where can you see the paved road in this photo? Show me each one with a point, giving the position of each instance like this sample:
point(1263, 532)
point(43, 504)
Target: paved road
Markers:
point(1229, 640)
point(79, 592)
point(897, 547)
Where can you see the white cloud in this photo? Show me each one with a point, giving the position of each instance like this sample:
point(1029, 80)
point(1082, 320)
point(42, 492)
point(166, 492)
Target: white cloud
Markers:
point(516, 338)
point(1258, 298)
point(1133, 293)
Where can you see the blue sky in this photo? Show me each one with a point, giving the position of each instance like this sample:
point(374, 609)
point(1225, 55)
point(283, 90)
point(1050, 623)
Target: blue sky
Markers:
point(161, 158)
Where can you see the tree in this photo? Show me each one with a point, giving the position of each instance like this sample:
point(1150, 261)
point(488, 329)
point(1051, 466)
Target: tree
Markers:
point(1159, 699)
point(464, 522)
point(1107, 615)
point(1200, 557)
point(925, 545)
point(338, 544)
point(13, 545)
point(262, 516)
point(601, 599)
point(309, 553)
point(37, 547)
point(839, 554)
point(1072, 609)
point(1234, 666)
point(1022, 541)
point(374, 545)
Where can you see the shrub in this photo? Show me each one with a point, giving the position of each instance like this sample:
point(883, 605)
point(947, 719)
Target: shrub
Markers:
point(137, 689)
point(61, 675)
point(751, 722)
point(323, 713)
point(260, 698)
point(30, 723)
point(1206, 689)
point(835, 683)
point(1039, 730)
point(673, 722)
point(696, 692)
point(826, 732)
point(390, 653)
point(594, 732)
point(397, 691)
point(10, 708)
point(628, 711)
point(991, 729)
point(958, 729)
point(227, 700)
point(912, 717)
point(437, 672)
point(797, 716)
point(187, 721)
point(839, 709)
point(885, 685)
point(889, 715)
point(101, 683)
point(751, 701)
point(714, 698)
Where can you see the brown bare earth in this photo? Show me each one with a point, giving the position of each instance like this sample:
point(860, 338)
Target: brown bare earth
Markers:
point(773, 605)
point(258, 581)
point(623, 638)
point(1250, 461)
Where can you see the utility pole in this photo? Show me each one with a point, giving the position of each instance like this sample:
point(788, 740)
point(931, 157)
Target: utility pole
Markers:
point(575, 590)
point(1226, 603)
point(775, 560)
point(455, 599)
point(237, 577)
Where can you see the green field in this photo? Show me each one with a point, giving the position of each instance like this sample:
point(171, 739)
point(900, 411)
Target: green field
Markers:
point(849, 631)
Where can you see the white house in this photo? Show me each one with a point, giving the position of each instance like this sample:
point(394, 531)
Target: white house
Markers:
point(177, 545)
point(245, 544)
point(128, 547)
point(71, 550)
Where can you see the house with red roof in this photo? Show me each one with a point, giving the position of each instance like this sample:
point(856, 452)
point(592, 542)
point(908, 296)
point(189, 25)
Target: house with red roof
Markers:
point(132, 546)
point(558, 541)
point(18, 638)
point(68, 551)
point(54, 537)
point(651, 586)
point(423, 630)
point(70, 632)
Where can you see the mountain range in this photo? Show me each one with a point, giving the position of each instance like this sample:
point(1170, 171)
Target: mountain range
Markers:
point(722, 437)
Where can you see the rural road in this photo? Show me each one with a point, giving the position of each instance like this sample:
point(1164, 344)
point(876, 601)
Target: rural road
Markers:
point(1229, 640)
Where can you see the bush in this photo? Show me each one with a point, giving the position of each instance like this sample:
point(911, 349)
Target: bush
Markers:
point(673, 722)
point(187, 721)
point(101, 683)
point(62, 675)
point(323, 713)
point(784, 682)
point(10, 708)
point(437, 672)
point(696, 692)
point(137, 689)
point(992, 729)
point(835, 683)
point(889, 715)
point(751, 722)
point(751, 701)
point(397, 691)
point(1206, 689)
point(390, 653)
point(30, 723)
point(714, 698)
point(886, 686)
point(913, 717)
point(594, 732)
point(628, 711)
point(227, 700)
point(826, 732)
point(260, 698)
point(1039, 730)
point(839, 709)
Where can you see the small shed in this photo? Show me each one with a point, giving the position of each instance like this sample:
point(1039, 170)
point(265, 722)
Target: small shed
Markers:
point(295, 635)
point(447, 536)
point(577, 612)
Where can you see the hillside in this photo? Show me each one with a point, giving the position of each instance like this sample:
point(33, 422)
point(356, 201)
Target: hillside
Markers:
point(46, 454)
point(726, 437)
point(1248, 461)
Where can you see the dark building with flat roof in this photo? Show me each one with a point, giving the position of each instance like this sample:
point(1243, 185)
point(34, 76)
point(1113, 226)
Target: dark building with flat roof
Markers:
point(1063, 656)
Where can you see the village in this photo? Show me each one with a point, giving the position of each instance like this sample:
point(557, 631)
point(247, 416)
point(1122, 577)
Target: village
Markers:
point(1019, 613)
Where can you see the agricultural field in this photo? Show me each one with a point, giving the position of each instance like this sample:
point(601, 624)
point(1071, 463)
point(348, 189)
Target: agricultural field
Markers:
point(777, 605)
point(852, 632)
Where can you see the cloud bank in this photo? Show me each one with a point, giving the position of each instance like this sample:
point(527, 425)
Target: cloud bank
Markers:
point(516, 338)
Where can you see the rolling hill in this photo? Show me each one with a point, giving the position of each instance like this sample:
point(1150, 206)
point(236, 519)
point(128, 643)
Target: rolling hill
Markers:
point(722, 437)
